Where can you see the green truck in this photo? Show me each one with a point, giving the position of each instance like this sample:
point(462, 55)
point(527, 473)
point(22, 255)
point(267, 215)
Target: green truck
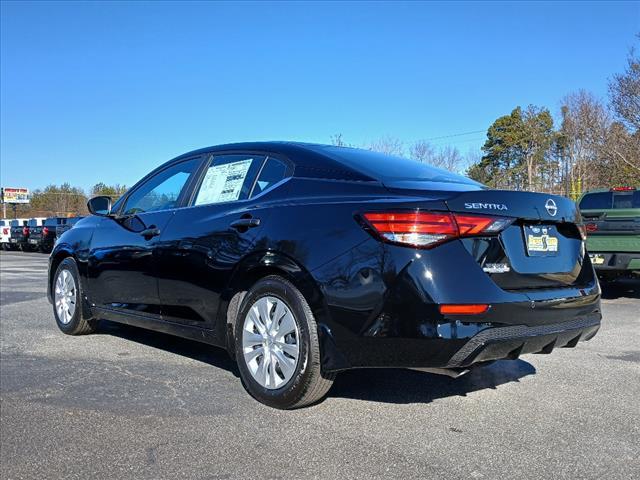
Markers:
point(612, 222)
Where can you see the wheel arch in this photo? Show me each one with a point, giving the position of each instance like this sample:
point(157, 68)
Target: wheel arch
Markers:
point(259, 265)
point(59, 254)
point(55, 260)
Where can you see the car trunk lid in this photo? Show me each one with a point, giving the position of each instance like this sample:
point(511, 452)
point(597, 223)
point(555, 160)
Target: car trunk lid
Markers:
point(542, 248)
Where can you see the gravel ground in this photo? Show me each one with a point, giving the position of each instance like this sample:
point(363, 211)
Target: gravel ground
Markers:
point(127, 403)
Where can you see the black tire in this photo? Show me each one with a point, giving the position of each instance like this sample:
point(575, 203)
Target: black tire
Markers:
point(308, 383)
point(78, 325)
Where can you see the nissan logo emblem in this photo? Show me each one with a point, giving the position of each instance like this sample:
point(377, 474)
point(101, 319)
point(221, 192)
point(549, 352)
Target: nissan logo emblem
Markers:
point(551, 207)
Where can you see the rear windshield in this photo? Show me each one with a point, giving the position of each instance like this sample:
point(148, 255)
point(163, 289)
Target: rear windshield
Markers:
point(52, 222)
point(388, 167)
point(610, 200)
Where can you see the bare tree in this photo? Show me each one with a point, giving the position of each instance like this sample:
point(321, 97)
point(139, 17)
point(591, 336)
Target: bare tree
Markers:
point(388, 145)
point(624, 91)
point(447, 157)
point(338, 141)
point(582, 136)
point(422, 151)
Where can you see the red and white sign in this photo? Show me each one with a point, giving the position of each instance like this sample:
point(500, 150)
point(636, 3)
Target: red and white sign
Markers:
point(15, 195)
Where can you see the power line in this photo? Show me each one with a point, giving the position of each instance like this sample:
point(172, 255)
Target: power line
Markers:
point(478, 139)
point(455, 135)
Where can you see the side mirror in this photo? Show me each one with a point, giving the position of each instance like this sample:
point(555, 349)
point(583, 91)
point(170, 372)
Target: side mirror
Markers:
point(100, 206)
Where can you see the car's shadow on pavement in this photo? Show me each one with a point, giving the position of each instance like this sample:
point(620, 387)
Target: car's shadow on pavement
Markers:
point(201, 352)
point(409, 386)
point(377, 385)
point(626, 288)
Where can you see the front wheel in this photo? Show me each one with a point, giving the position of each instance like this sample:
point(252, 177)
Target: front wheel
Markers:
point(66, 300)
point(276, 345)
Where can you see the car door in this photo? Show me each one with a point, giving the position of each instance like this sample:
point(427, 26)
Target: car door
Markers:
point(204, 242)
point(121, 266)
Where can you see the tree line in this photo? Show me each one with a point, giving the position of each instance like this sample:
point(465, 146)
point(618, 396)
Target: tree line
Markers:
point(593, 143)
point(63, 200)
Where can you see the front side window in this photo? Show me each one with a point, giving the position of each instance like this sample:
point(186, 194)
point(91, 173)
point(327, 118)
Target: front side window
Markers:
point(228, 178)
point(273, 171)
point(162, 191)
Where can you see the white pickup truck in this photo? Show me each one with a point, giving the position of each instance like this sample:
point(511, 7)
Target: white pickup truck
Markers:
point(5, 233)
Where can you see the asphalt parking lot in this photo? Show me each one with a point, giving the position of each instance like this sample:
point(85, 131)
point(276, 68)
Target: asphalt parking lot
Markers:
point(127, 403)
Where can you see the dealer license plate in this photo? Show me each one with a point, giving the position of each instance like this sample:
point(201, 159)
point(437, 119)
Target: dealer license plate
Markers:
point(541, 240)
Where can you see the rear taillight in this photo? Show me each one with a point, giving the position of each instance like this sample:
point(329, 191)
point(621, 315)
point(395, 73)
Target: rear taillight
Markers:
point(623, 189)
point(25, 231)
point(45, 231)
point(428, 229)
point(591, 227)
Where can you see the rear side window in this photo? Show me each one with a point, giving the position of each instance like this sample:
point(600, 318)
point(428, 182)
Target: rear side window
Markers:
point(273, 171)
point(610, 200)
point(228, 178)
point(388, 167)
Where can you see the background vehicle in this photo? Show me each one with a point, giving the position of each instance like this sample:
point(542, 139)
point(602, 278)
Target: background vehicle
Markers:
point(42, 237)
point(5, 233)
point(23, 234)
point(305, 260)
point(612, 221)
point(66, 225)
point(19, 228)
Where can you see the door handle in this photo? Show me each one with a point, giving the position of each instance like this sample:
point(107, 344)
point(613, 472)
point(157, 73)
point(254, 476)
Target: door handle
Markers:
point(150, 232)
point(244, 223)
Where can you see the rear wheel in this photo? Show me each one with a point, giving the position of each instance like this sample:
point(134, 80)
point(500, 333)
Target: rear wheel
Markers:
point(277, 349)
point(67, 299)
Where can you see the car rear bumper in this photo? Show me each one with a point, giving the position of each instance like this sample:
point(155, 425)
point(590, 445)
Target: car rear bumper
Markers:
point(611, 261)
point(512, 341)
point(456, 345)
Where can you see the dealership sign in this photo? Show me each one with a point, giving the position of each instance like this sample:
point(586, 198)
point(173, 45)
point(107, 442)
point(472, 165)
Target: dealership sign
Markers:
point(15, 195)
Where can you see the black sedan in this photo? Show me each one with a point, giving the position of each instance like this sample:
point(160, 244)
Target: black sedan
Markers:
point(304, 260)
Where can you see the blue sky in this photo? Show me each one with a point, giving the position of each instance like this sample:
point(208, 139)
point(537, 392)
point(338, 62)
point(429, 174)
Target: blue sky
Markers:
point(105, 92)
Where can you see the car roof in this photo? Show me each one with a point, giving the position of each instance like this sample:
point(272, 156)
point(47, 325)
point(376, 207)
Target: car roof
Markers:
point(308, 157)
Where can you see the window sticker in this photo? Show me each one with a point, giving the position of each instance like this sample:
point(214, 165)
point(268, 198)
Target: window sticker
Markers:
point(223, 183)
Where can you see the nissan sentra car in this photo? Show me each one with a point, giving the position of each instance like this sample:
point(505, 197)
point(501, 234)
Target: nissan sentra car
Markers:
point(306, 260)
